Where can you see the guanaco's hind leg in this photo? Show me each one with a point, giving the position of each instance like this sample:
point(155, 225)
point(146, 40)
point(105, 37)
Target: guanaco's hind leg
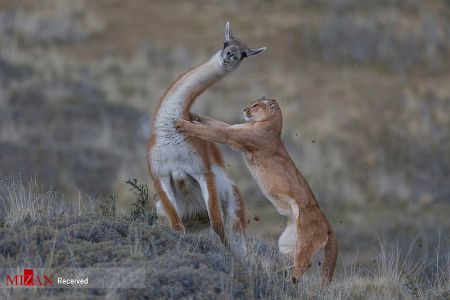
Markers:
point(209, 192)
point(239, 233)
point(168, 201)
point(241, 222)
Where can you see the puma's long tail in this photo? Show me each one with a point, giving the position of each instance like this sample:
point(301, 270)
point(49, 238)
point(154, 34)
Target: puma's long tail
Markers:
point(329, 263)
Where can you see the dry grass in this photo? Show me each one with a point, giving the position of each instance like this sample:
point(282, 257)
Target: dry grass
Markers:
point(70, 240)
point(19, 202)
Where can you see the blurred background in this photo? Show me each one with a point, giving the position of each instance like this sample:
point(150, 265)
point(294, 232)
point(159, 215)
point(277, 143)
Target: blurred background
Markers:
point(364, 87)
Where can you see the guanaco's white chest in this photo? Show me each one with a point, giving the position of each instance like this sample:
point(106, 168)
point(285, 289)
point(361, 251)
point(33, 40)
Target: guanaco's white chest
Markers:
point(174, 155)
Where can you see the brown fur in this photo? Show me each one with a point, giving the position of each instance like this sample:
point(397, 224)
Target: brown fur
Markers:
point(274, 170)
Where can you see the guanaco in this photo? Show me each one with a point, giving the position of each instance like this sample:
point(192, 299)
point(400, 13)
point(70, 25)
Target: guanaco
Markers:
point(259, 139)
point(188, 173)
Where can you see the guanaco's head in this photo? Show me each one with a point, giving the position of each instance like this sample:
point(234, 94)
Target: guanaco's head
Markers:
point(234, 50)
point(262, 110)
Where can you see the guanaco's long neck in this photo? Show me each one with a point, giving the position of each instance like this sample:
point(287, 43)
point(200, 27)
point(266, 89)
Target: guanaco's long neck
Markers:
point(178, 99)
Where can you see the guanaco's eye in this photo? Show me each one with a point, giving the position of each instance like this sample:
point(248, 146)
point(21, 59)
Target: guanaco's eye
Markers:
point(225, 45)
point(244, 54)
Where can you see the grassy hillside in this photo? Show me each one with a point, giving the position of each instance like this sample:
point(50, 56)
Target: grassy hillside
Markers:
point(131, 257)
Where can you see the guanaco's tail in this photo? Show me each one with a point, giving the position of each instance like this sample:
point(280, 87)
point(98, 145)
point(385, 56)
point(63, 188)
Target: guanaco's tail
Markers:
point(329, 263)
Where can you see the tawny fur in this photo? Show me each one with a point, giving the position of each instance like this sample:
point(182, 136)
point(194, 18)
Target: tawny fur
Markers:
point(259, 139)
point(188, 172)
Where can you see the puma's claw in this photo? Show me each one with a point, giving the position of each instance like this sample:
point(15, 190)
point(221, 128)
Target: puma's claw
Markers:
point(179, 124)
point(196, 119)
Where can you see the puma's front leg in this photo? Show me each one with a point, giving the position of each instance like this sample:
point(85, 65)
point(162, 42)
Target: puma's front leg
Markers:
point(198, 119)
point(236, 137)
point(211, 134)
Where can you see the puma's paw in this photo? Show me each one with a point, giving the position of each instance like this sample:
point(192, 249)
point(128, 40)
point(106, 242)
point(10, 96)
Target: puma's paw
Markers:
point(181, 125)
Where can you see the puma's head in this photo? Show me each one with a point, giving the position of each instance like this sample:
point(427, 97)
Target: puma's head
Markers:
point(262, 110)
point(234, 51)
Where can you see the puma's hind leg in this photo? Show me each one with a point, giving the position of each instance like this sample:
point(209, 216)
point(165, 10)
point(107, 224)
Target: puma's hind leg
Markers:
point(288, 239)
point(329, 262)
point(312, 236)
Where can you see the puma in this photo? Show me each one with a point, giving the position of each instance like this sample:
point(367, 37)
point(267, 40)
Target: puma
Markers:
point(259, 139)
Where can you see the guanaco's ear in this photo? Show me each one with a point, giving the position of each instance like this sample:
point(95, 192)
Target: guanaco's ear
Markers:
point(256, 51)
point(228, 34)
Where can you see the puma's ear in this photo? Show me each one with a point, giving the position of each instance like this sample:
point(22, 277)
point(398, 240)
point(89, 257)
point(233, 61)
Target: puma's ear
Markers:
point(228, 34)
point(256, 51)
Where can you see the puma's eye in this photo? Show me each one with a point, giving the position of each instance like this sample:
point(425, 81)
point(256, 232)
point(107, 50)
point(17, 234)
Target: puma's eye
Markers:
point(254, 105)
